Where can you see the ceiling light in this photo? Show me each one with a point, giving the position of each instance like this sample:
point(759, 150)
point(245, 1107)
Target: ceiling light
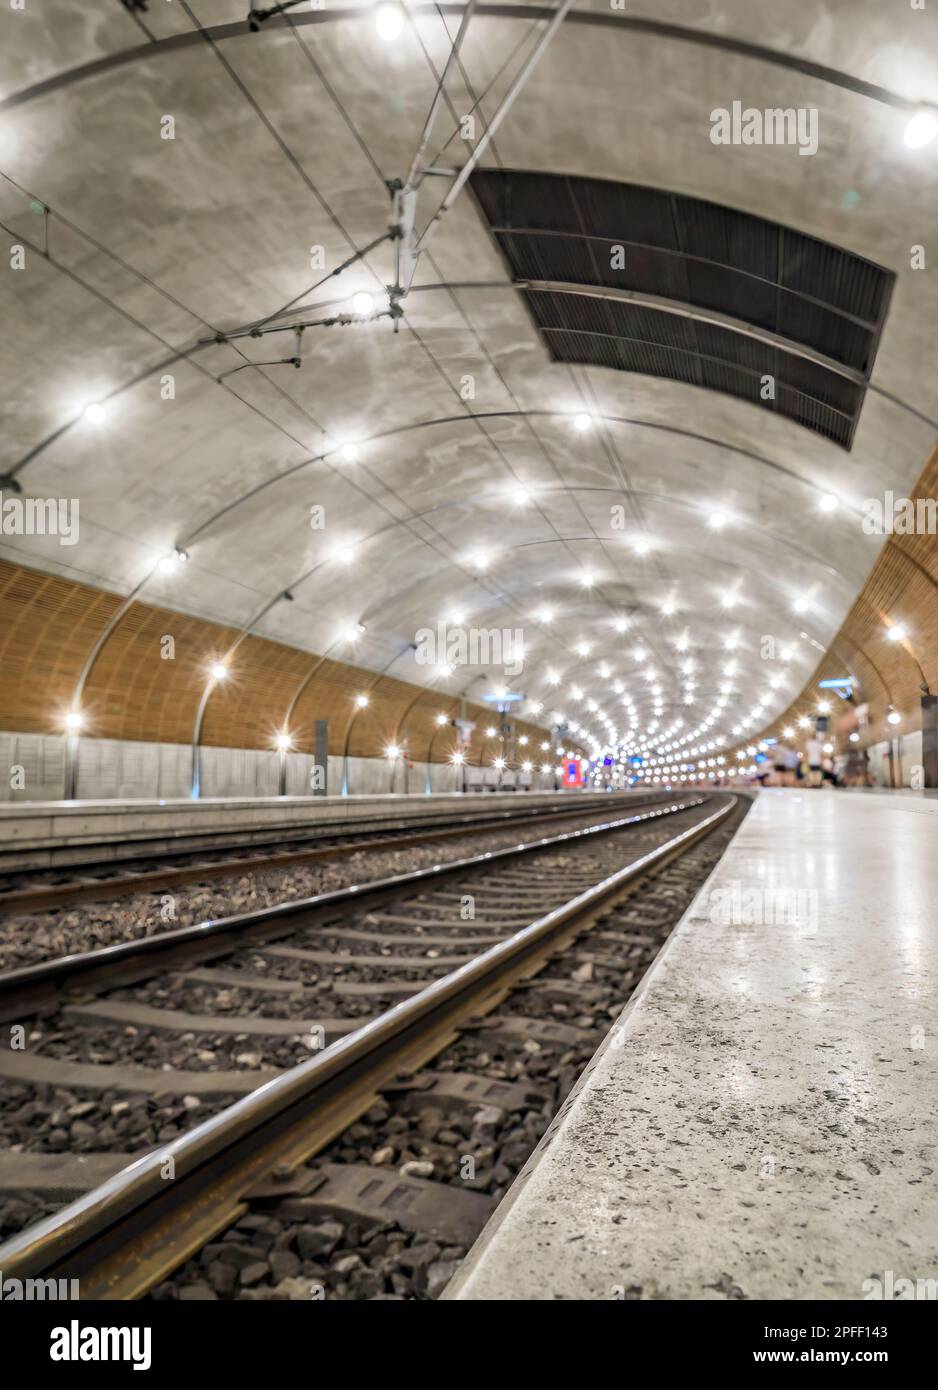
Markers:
point(729, 600)
point(921, 130)
point(480, 560)
point(392, 751)
point(389, 21)
point(800, 605)
point(582, 421)
point(361, 701)
point(349, 452)
point(219, 671)
point(716, 520)
point(519, 496)
point(490, 733)
point(894, 717)
point(95, 414)
point(642, 547)
point(457, 758)
point(545, 616)
point(499, 763)
point(442, 719)
point(828, 502)
point(854, 737)
point(353, 632)
point(621, 624)
point(74, 721)
point(788, 732)
point(363, 305)
point(895, 633)
point(283, 742)
point(587, 580)
point(526, 767)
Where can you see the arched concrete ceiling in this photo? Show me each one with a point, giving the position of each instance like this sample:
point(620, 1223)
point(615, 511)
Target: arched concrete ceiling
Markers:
point(283, 141)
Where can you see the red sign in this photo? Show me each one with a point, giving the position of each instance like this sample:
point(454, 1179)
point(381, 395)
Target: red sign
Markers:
point(572, 772)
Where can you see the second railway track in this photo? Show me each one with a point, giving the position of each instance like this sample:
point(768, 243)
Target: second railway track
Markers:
point(316, 1009)
point(45, 887)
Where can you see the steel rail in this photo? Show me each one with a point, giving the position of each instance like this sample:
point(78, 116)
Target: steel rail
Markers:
point(129, 1232)
point(35, 986)
point(51, 895)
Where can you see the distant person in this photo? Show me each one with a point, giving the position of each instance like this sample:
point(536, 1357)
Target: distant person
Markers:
point(792, 767)
point(813, 755)
point(780, 764)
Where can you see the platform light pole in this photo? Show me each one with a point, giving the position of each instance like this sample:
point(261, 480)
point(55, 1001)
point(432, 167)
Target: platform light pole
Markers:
point(441, 721)
point(73, 723)
point(283, 743)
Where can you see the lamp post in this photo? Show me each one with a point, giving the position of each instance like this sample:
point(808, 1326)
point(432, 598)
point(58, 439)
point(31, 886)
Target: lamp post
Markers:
point(393, 753)
point(441, 721)
point(361, 702)
point(283, 742)
point(73, 723)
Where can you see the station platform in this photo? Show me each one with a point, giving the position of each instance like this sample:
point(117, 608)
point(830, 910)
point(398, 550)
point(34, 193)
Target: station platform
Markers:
point(762, 1120)
point(44, 834)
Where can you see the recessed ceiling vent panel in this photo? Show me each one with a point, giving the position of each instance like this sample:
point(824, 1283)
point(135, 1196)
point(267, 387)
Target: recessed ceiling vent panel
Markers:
point(619, 275)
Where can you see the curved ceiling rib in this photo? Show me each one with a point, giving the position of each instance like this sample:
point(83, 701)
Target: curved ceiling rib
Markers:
point(621, 23)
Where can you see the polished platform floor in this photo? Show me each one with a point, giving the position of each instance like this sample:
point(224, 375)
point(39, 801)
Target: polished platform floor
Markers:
point(762, 1122)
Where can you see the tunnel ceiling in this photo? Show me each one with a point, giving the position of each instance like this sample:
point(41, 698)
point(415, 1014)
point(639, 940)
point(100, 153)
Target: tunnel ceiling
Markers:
point(682, 525)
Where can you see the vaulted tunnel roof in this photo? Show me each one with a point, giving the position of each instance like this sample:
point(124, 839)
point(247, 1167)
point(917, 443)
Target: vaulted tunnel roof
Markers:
point(141, 249)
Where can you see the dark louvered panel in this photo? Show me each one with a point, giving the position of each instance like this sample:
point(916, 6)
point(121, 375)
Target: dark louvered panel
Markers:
point(648, 242)
point(728, 237)
point(592, 331)
point(835, 277)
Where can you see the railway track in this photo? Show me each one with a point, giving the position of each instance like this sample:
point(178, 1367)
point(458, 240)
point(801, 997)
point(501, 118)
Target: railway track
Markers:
point(416, 965)
point(34, 890)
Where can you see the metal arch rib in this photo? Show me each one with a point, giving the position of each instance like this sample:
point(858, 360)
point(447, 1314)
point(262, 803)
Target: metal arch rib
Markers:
point(624, 23)
point(683, 309)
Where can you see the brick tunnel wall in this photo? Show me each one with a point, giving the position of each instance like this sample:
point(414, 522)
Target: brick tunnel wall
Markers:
point(902, 588)
point(48, 625)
